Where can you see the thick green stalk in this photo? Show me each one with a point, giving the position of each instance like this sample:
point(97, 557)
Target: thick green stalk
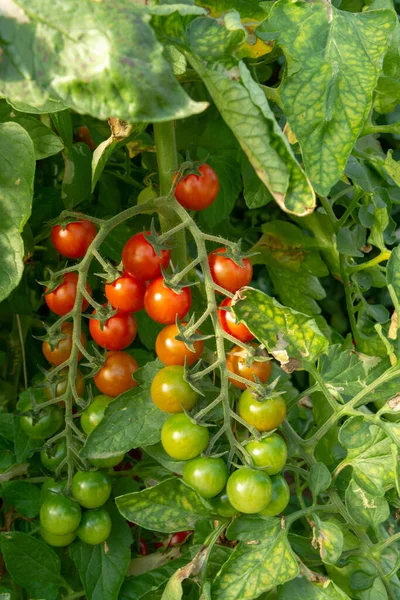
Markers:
point(167, 160)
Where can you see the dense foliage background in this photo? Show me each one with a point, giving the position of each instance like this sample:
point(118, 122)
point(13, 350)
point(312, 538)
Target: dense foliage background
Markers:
point(295, 106)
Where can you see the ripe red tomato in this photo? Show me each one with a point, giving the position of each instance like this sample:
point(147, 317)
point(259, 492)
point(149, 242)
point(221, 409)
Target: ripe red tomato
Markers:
point(140, 259)
point(75, 239)
point(265, 415)
point(226, 273)
point(236, 363)
point(118, 331)
point(173, 352)
point(229, 323)
point(115, 376)
point(126, 293)
point(143, 550)
point(62, 351)
point(196, 192)
point(61, 300)
point(179, 538)
point(163, 304)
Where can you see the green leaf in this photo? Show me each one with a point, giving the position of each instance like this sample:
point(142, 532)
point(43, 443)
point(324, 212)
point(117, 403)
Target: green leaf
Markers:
point(24, 446)
point(255, 193)
point(320, 479)
point(76, 184)
point(158, 453)
point(326, 94)
point(32, 564)
point(63, 123)
point(24, 496)
point(366, 509)
point(52, 105)
point(174, 589)
point(16, 190)
point(330, 541)
point(293, 263)
point(393, 276)
point(246, 8)
point(45, 141)
point(211, 41)
point(7, 426)
point(245, 109)
point(290, 336)
point(130, 421)
point(257, 566)
point(102, 570)
point(387, 91)
point(95, 68)
point(302, 589)
point(135, 588)
point(168, 507)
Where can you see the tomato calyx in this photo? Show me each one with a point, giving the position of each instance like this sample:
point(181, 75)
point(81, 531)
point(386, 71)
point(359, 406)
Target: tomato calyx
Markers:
point(189, 167)
point(102, 314)
point(53, 335)
point(234, 252)
point(155, 240)
point(54, 281)
point(186, 336)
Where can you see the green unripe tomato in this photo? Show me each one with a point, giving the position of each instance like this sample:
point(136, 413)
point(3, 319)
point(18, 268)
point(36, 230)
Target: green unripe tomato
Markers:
point(183, 439)
point(60, 515)
point(94, 413)
point(52, 457)
point(265, 415)
point(57, 540)
point(91, 488)
point(206, 475)
point(51, 487)
point(270, 453)
point(95, 526)
point(279, 499)
point(107, 463)
point(45, 424)
point(224, 507)
point(170, 392)
point(249, 491)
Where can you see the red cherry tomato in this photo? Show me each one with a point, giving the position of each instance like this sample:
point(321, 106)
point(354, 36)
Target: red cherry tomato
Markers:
point(164, 305)
point(226, 273)
point(173, 352)
point(179, 538)
point(62, 351)
point(118, 331)
point(229, 323)
point(61, 300)
point(75, 239)
point(196, 192)
point(140, 259)
point(143, 550)
point(126, 293)
point(115, 376)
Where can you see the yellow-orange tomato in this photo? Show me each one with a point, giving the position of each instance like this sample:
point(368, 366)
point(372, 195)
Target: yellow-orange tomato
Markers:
point(62, 351)
point(236, 363)
point(173, 352)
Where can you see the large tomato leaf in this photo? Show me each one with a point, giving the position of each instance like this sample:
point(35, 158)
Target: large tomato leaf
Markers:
point(17, 157)
point(293, 338)
point(302, 588)
point(168, 507)
point(88, 60)
point(327, 92)
point(245, 109)
point(257, 565)
point(365, 508)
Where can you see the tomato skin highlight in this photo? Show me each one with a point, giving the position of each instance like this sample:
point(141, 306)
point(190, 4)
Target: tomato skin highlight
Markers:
point(264, 416)
point(118, 331)
point(91, 488)
point(62, 351)
point(236, 363)
point(58, 541)
point(279, 499)
point(53, 457)
point(95, 526)
point(75, 239)
point(126, 293)
point(173, 352)
point(164, 305)
point(61, 300)
point(270, 453)
point(94, 413)
point(229, 323)
point(140, 260)
point(196, 192)
point(206, 475)
point(179, 538)
point(60, 515)
point(48, 422)
point(183, 439)
point(249, 491)
point(170, 392)
point(226, 273)
point(115, 376)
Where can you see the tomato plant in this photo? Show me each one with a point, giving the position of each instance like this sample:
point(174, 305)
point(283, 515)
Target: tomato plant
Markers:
point(199, 297)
